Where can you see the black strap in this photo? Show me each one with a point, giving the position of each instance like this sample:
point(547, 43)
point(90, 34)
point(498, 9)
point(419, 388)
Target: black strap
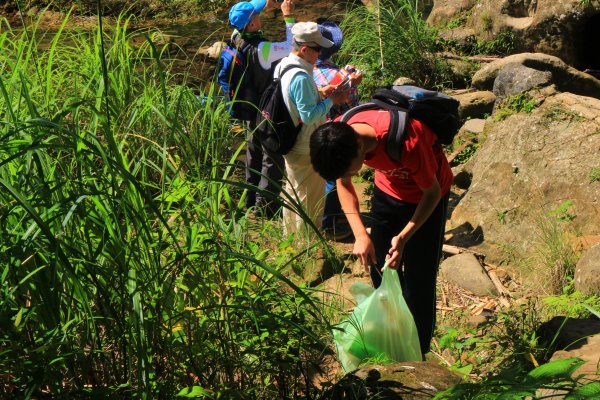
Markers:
point(396, 130)
point(355, 110)
point(286, 69)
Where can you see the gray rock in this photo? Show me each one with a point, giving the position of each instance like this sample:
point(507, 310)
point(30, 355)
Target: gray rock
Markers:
point(465, 271)
point(587, 272)
point(474, 126)
point(400, 381)
point(213, 51)
point(514, 78)
point(475, 104)
point(403, 80)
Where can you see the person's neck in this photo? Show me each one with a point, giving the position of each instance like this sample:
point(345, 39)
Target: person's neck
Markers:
point(366, 135)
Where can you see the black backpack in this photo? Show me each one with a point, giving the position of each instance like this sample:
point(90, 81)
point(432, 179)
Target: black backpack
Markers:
point(236, 81)
point(274, 125)
point(436, 110)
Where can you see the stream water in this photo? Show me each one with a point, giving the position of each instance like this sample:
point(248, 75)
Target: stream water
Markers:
point(190, 35)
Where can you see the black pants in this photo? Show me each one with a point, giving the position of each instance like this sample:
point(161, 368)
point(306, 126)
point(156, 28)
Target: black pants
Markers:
point(269, 180)
point(420, 260)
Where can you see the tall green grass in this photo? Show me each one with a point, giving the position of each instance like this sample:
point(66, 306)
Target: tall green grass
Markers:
point(391, 39)
point(125, 269)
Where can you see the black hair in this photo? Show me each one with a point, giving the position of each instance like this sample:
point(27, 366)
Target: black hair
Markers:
point(333, 146)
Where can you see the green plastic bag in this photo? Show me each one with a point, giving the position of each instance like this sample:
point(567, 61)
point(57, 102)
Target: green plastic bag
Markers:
point(381, 327)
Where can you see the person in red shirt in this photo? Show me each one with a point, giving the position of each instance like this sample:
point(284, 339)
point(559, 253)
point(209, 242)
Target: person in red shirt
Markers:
point(408, 208)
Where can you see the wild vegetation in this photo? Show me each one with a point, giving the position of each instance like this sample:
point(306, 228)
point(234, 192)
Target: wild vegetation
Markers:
point(128, 264)
point(114, 8)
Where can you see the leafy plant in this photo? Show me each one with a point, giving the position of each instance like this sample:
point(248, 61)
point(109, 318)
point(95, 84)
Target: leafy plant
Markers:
point(571, 302)
point(521, 102)
point(466, 154)
point(594, 175)
point(562, 211)
point(519, 384)
point(502, 44)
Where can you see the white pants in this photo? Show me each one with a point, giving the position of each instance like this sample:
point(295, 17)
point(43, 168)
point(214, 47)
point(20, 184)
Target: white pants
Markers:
point(307, 190)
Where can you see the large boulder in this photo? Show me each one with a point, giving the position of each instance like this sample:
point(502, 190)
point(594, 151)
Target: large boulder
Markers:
point(401, 381)
point(516, 78)
point(566, 78)
point(475, 104)
point(567, 28)
point(532, 170)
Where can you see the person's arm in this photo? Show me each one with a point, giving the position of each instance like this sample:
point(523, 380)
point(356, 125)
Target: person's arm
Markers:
point(270, 52)
point(302, 95)
point(430, 199)
point(363, 246)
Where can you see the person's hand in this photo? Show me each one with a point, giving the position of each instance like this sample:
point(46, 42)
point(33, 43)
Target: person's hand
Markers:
point(326, 90)
point(340, 96)
point(287, 8)
point(356, 78)
point(395, 253)
point(364, 251)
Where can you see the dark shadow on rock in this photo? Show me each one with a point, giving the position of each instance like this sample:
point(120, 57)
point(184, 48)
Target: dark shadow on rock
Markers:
point(463, 179)
point(465, 235)
point(563, 333)
point(453, 201)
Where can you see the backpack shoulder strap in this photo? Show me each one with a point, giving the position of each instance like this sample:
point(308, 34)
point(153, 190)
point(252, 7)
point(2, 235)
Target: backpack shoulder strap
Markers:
point(396, 134)
point(355, 110)
point(396, 130)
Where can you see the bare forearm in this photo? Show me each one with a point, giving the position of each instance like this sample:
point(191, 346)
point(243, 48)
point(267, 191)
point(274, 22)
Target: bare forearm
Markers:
point(351, 206)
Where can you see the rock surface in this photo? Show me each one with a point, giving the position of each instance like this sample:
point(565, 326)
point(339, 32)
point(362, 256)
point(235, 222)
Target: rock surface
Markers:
point(515, 78)
point(465, 271)
point(566, 79)
point(567, 29)
point(475, 104)
point(401, 381)
point(530, 165)
point(587, 272)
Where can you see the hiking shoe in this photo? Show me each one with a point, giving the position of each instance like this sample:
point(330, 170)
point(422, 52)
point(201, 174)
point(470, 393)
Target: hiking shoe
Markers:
point(338, 232)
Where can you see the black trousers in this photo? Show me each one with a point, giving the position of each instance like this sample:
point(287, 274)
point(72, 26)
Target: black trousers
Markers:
point(270, 178)
point(420, 260)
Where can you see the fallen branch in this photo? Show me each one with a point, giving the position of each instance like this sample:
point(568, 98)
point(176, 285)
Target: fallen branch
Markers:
point(455, 250)
point(451, 56)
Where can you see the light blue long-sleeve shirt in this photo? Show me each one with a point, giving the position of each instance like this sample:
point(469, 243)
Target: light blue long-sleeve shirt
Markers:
point(302, 92)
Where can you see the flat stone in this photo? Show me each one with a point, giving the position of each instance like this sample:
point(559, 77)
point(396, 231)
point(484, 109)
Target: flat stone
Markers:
point(465, 271)
point(475, 126)
point(587, 272)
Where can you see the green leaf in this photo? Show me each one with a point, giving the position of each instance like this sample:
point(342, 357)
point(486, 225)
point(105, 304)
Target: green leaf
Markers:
point(18, 318)
point(193, 391)
point(558, 368)
point(590, 309)
point(589, 391)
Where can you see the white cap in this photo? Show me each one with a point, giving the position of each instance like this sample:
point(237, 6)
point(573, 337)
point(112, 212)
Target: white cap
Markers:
point(308, 32)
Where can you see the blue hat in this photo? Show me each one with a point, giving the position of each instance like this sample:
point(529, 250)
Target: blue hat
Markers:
point(330, 30)
point(241, 13)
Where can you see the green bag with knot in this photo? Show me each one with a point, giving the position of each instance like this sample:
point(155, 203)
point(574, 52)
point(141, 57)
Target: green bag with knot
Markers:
point(381, 328)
